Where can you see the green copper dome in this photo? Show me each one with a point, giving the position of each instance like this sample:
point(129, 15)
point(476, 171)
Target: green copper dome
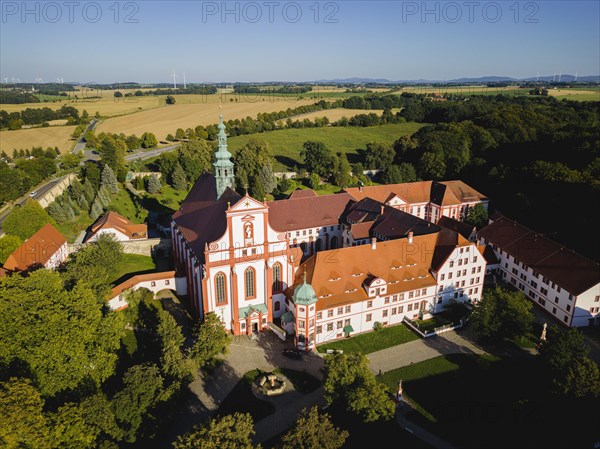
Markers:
point(304, 294)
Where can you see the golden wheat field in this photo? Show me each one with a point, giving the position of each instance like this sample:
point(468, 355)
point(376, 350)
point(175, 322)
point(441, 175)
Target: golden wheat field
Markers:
point(166, 119)
point(53, 136)
point(336, 114)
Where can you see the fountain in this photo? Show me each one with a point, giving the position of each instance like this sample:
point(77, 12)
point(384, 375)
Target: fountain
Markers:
point(270, 385)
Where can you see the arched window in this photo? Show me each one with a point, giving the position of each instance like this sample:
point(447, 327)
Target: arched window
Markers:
point(334, 243)
point(277, 306)
point(277, 284)
point(303, 246)
point(220, 291)
point(250, 283)
point(319, 245)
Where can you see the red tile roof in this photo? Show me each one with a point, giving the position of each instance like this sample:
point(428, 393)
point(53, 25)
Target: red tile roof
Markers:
point(444, 193)
point(302, 193)
point(112, 220)
point(337, 276)
point(37, 250)
point(307, 212)
point(118, 289)
point(201, 217)
point(569, 270)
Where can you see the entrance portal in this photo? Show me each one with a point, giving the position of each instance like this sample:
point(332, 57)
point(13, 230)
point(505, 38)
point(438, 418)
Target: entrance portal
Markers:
point(255, 328)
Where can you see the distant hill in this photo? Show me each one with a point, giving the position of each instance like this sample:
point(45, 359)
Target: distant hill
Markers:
point(483, 79)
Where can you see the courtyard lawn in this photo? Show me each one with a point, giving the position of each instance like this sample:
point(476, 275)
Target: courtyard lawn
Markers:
point(486, 401)
point(241, 399)
point(131, 265)
point(373, 341)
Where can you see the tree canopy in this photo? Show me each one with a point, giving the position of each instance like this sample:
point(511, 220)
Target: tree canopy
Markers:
point(313, 430)
point(61, 338)
point(211, 339)
point(26, 220)
point(317, 158)
point(227, 432)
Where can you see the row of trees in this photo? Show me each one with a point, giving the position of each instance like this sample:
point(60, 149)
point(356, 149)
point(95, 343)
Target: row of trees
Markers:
point(35, 116)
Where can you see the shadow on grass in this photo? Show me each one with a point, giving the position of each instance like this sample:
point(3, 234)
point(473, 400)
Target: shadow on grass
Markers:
point(242, 400)
point(287, 162)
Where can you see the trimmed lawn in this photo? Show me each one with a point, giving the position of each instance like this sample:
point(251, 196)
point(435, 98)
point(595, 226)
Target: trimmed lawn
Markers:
point(122, 203)
point(486, 401)
point(286, 144)
point(373, 341)
point(241, 399)
point(131, 265)
point(302, 381)
point(70, 230)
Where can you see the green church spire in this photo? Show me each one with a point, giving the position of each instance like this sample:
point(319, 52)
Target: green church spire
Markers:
point(224, 174)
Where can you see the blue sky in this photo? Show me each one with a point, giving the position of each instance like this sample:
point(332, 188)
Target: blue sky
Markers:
point(144, 41)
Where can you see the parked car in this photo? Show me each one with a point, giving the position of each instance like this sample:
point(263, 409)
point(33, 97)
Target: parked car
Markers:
point(32, 194)
point(293, 354)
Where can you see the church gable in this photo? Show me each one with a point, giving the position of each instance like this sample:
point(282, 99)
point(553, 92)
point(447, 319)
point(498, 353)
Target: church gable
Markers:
point(247, 203)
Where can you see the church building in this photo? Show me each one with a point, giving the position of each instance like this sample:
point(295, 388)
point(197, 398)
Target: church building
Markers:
point(243, 259)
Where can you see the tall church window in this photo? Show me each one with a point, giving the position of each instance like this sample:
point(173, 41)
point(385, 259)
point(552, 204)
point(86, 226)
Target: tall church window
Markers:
point(277, 284)
point(249, 277)
point(220, 289)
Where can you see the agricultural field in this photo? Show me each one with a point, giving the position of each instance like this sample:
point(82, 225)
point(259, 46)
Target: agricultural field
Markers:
point(587, 94)
point(52, 136)
point(335, 114)
point(286, 144)
point(166, 119)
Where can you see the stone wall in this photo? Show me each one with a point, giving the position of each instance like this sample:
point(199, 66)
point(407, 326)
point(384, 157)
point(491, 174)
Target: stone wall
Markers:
point(55, 191)
point(144, 247)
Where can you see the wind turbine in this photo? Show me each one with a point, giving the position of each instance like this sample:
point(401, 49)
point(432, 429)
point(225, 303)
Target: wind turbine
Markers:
point(39, 80)
point(538, 77)
point(60, 79)
point(6, 80)
point(184, 85)
point(174, 75)
point(575, 76)
point(559, 76)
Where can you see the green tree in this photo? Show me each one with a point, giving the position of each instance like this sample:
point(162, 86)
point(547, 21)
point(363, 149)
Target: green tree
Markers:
point(314, 181)
point(57, 212)
point(211, 339)
point(249, 161)
point(477, 216)
point(109, 180)
point(22, 420)
point(112, 152)
point(154, 184)
point(341, 171)
point(149, 140)
point(195, 157)
point(267, 178)
point(562, 348)
point(317, 157)
point(314, 430)
point(502, 314)
point(8, 245)
point(432, 166)
point(142, 390)
point(64, 337)
point(170, 99)
point(92, 174)
point(97, 209)
point(227, 432)
point(180, 134)
point(26, 220)
point(179, 178)
point(582, 379)
point(174, 365)
point(349, 381)
point(118, 94)
point(379, 155)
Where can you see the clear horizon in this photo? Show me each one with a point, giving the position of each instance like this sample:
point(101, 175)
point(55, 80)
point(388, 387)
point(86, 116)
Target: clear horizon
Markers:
point(145, 41)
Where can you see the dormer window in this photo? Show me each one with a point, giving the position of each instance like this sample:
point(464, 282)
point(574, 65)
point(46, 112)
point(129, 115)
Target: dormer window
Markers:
point(357, 274)
point(335, 279)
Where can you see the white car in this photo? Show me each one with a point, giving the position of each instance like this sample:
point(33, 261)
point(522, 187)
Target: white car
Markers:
point(32, 194)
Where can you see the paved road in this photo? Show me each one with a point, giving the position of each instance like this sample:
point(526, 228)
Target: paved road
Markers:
point(39, 191)
point(138, 155)
point(80, 146)
point(421, 350)
point(141, 155)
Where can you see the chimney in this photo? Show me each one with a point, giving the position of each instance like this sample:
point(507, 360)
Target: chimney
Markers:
point(410, 237)
point(373, 243)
